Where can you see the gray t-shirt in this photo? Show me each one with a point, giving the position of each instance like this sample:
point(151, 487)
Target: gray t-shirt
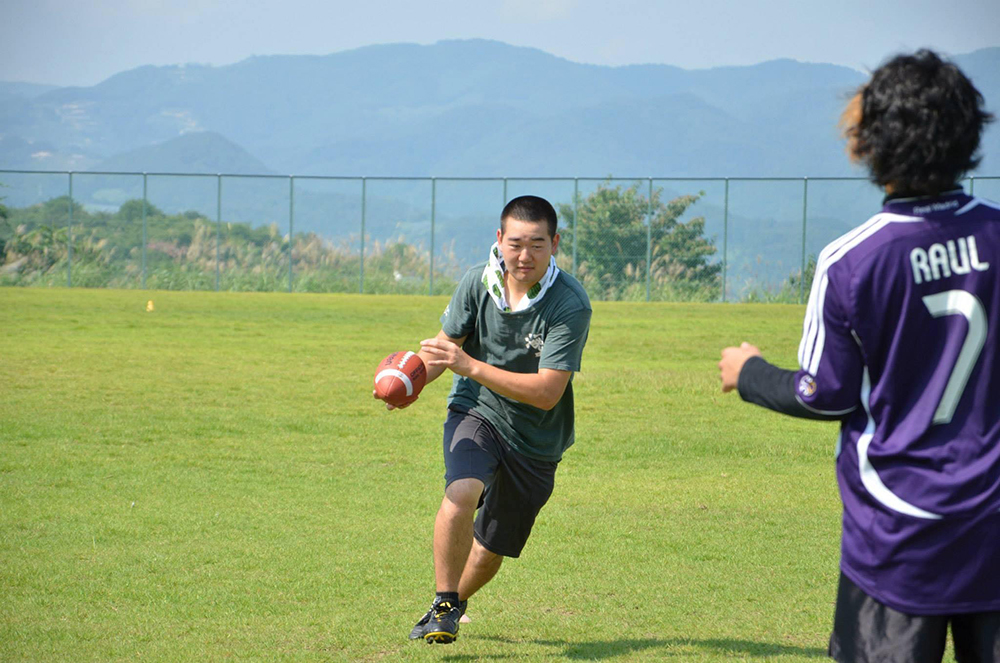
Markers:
point(550, 334)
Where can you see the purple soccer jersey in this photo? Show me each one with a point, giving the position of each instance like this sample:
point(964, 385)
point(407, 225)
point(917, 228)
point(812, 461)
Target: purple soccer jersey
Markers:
point(901, 338)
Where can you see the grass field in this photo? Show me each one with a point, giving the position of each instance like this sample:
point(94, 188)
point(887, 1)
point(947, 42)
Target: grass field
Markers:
point(212, 481)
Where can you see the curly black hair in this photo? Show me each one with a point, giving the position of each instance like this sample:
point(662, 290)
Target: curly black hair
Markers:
point(920, 124)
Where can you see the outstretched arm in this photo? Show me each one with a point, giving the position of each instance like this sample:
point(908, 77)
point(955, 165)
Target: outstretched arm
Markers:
point(542, 389)
point(831, 358)
point(764, 384)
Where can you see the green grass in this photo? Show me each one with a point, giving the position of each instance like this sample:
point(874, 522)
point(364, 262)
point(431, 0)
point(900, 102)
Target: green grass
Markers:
point(213, 481)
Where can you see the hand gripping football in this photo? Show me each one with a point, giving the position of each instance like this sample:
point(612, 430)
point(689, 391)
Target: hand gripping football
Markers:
point(399, 378)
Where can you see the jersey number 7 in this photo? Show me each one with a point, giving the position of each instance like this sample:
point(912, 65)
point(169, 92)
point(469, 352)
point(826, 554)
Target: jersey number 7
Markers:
point(958, 302)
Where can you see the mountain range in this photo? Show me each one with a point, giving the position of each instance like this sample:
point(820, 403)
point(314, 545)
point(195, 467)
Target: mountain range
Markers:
point(455, 108)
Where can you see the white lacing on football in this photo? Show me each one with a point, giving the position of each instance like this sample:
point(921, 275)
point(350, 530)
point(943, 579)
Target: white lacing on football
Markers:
point(406, 358)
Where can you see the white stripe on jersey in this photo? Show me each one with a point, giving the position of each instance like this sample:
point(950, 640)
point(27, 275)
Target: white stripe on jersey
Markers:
point(968, 206)
point(869, 477)
point(987, 203)
point(814, 328)
point(809, 323)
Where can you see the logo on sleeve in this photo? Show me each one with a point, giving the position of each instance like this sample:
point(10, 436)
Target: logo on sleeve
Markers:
point(807, 386)
point(534, 341)
point(447, 310)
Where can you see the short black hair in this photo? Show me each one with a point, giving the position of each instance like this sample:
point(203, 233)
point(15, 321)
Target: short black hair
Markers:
point(532, 209)
point(921, 120)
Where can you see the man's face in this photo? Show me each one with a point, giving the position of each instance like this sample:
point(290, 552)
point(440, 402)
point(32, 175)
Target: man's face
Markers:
point(526, 248)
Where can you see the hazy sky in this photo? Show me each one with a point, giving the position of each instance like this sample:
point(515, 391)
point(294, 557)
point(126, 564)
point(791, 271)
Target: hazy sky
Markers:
point(74, 42)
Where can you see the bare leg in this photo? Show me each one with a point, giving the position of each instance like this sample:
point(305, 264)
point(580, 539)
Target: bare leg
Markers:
point(453, 532)
point(479, 570)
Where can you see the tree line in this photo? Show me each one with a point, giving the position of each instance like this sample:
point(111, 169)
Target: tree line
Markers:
point(620, 243)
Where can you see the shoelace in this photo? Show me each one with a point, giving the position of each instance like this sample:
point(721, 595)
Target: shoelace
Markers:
point(442, 609)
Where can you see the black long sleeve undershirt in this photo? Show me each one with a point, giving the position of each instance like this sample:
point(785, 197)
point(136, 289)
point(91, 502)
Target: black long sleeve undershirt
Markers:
point(774, 388)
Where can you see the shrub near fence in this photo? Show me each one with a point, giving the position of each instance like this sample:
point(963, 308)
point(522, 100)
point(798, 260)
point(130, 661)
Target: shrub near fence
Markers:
point(679, 239)
point(187, 252)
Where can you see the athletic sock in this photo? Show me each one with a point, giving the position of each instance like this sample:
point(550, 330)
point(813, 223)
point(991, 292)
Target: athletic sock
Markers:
point(447, 596)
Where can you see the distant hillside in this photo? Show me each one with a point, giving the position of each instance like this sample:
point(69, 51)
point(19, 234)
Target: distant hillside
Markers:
point(468, 108)
point(26, 90)
point(18, 153)
point(197, 152)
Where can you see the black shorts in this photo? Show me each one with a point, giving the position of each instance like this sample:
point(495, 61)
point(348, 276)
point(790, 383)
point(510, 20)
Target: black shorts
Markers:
point(865, 630)
point(516, 486)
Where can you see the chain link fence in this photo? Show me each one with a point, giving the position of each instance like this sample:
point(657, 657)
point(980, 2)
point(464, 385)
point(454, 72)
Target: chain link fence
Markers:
point(638, 239)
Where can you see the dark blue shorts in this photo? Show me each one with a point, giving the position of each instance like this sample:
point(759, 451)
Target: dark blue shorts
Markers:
point(865, 630)
point(516, 486)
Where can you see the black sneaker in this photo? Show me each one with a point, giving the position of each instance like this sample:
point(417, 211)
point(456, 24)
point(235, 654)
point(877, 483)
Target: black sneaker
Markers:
point(442, 627)
point(418, 631)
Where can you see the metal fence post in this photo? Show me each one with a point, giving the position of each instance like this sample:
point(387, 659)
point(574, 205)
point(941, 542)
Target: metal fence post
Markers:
point(430, 277)
point(364, 200)
point(649, 239)
point(145, 240)
point(805, 207)
point(725, 239)
point(972, 184)
point(505, 192)
point(576, 214)
point(69, 236)
point(218, 227)
point(291, 226)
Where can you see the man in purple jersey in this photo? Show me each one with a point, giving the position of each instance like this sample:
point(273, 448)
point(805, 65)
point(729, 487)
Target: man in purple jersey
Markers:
point(901, 344)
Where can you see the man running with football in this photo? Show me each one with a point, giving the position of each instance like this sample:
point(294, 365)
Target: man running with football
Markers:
point(512, 335)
